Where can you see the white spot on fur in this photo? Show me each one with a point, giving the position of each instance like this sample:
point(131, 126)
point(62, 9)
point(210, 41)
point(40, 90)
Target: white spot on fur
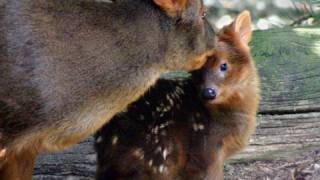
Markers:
point(161, 168)
point(165, 154)
point(163, 133)
point(179, 90)
point(99, 139)
point(150, 163)
point(200, 126)
point(158, 150)
point(138, 153)
point(155, 130)
point(170, 100)
point(115, 140)
point(162, 126)
point(197, 127)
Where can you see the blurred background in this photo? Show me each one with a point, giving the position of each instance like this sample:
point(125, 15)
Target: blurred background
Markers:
point(266, 13)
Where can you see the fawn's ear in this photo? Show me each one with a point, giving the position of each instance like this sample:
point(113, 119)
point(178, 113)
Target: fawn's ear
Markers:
point(242, 26)
point(171, 7)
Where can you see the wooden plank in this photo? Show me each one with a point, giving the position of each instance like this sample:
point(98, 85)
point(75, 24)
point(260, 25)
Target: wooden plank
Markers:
point(276, 136)
point(289, 64)
point(282, 135)
point(76, 163)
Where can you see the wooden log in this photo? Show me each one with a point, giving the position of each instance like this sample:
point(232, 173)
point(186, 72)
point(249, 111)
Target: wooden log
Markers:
point(289, 120)
point(289, 64)
point(279, 136)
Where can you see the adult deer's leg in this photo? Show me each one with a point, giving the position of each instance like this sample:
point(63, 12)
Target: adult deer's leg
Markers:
point(18, 166)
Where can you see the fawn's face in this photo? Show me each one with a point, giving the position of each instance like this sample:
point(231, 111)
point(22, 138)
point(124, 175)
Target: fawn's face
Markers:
point(226, 72)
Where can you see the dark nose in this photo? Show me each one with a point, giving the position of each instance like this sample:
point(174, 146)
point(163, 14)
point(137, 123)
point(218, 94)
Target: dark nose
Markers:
point(209, 94)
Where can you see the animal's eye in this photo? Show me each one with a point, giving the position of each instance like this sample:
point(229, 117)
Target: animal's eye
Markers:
point(224, 67)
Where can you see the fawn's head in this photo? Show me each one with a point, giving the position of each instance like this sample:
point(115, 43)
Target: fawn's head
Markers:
point(230, 71)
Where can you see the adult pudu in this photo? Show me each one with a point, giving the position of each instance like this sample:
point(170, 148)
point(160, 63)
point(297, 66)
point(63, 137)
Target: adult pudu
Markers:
point(186, 129)
point(68, 66)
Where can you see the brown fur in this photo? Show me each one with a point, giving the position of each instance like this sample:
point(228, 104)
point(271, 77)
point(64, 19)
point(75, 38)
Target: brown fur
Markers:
point(68, 66)
point(172, 7)
point(19, 165)
point(178, 134)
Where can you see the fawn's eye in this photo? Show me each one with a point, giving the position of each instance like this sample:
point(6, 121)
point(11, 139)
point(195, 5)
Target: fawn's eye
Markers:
point(224, 67)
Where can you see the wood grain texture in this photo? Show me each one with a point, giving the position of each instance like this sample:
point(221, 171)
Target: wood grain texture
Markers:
point(289, 64)
point(289, 121)
point(282, 135)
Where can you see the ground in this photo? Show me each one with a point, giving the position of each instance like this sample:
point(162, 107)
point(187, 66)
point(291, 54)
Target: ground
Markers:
point(304, 166)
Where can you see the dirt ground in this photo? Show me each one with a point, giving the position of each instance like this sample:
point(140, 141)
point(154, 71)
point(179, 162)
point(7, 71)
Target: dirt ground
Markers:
point(304, 166)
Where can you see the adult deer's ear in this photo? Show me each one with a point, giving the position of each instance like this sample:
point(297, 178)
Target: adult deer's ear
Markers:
point(242, 26)
point(171, 7)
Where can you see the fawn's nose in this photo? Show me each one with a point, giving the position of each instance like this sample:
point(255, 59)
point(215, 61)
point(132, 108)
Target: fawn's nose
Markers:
point(209, 94)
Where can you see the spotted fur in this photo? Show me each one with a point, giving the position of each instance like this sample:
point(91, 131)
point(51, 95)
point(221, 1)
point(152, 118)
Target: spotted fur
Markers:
point(145, 141)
